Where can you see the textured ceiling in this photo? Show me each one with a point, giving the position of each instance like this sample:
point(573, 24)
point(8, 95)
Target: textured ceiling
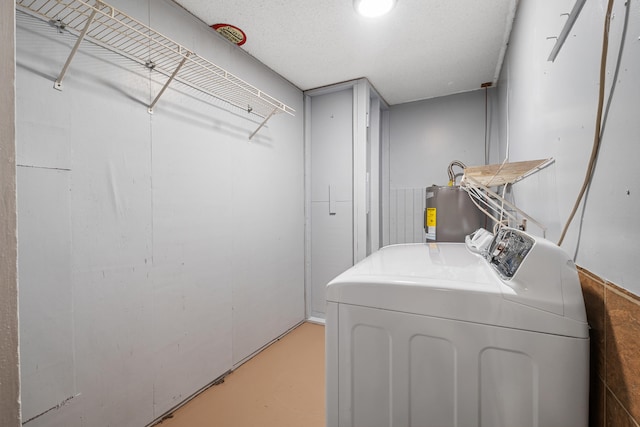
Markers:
point(422, 49)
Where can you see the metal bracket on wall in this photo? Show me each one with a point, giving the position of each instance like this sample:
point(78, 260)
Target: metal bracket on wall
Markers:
point(571, 19)
point(58, 82)
point(173, 76)
point(275, 110)
point(114, 30)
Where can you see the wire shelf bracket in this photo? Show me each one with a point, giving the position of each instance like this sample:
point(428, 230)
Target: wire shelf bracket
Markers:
point(83, 33)
point(166, 85)
point(110, 28)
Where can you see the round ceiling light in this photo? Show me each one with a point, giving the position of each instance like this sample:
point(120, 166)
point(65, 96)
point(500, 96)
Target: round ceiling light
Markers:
point(373, 8)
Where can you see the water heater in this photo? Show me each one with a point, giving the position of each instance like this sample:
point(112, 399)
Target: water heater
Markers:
point(450, 214)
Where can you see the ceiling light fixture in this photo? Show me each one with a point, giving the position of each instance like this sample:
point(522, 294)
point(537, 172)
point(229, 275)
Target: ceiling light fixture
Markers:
point(373, 8)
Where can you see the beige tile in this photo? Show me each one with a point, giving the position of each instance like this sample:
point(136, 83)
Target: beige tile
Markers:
point(628, 294)
point(616, 416)
point(622, 329)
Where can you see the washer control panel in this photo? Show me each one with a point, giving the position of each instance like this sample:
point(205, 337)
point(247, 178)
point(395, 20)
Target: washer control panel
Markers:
point(507, 251)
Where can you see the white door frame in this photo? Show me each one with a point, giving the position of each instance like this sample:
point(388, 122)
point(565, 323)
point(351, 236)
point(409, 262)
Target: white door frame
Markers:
point(366, 234)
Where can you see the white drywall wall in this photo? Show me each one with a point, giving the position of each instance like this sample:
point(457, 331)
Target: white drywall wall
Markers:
point(9, 355)
point(424, 137)
point(548, 109)
point(156, 251)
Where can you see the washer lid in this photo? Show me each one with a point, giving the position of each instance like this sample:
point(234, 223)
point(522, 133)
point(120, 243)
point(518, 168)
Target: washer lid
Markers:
point(442, 280)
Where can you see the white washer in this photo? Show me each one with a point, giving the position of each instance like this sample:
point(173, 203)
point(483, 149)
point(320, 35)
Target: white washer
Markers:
point(492, 333)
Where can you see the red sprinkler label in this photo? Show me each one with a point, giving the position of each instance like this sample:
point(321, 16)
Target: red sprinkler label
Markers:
point(231, 32)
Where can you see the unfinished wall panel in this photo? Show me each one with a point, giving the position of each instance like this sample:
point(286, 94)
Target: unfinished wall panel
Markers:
point(46, 293)
point(183, 238)
point(548, 109)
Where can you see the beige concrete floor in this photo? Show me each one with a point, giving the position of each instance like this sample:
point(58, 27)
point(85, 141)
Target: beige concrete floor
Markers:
point(283, 386)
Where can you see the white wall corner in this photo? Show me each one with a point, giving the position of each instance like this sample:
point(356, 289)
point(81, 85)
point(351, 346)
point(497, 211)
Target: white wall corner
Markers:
point(9, 350)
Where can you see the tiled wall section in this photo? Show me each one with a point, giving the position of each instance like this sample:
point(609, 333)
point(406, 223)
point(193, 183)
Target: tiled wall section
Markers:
point(614, 316)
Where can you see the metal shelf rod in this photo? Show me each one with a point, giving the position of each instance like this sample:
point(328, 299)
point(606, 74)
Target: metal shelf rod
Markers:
point(263, 123)
point(167, 83)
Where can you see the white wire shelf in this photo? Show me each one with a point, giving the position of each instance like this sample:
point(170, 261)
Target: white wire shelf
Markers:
point(112, 29)
point(477, 180)
point(505, 173)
